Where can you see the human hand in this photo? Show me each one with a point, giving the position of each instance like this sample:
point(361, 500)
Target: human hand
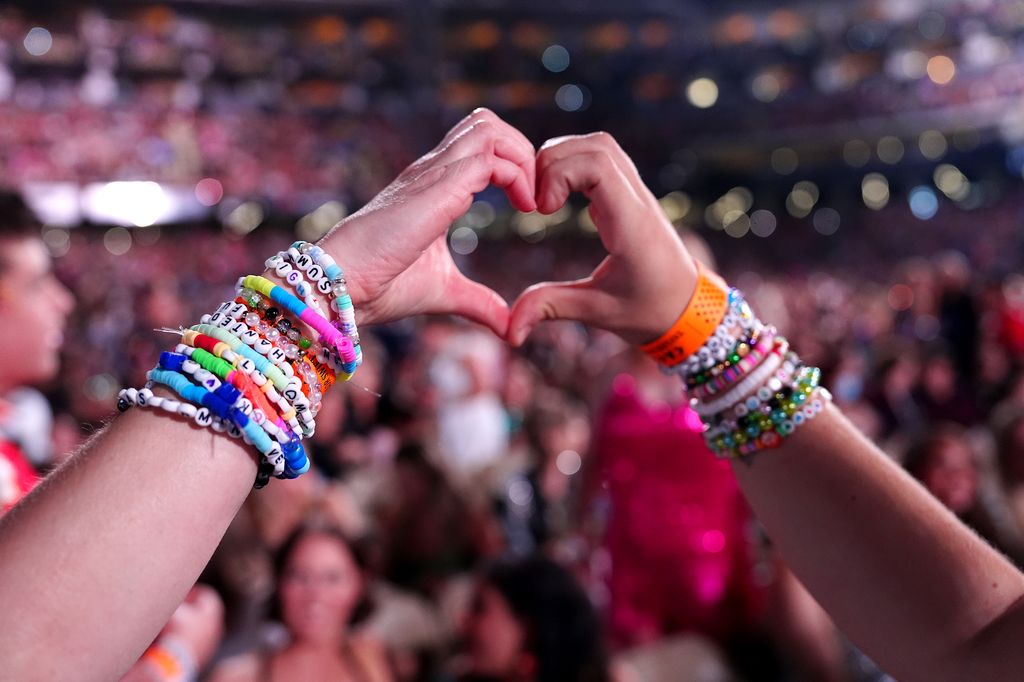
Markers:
point(642, 286)
point(198, 623)
point(394, 251)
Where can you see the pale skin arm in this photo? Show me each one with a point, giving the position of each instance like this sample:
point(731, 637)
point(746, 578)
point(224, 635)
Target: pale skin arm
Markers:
point(917, 590)
point(94, 562)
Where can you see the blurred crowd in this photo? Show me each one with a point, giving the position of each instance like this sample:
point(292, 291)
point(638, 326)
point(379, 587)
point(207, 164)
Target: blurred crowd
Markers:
point(549, 513)
point(478, 512)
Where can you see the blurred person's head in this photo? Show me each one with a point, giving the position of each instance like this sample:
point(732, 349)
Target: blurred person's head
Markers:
point(944, 462)
point(938, 377)
point(898, 372)
point(320, 585)
point(33, 303)
point(531, 621)
point(1010, 447)
point(557, 423)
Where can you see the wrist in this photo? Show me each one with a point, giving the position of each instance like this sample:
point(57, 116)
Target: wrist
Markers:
point(708, 300)
point(341, 244)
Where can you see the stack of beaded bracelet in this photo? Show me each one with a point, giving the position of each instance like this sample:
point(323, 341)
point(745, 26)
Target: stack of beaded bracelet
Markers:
point(750, 391)
point(248, 370)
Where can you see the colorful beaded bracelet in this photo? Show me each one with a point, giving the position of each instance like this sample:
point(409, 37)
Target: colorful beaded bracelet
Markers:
point(764, 404)
point(201, 416)
point(329, 335)
point(261, 410)
point(259, 309)
point(741, 347)
point(294, 406)
point(340, 300)
point(747, 353)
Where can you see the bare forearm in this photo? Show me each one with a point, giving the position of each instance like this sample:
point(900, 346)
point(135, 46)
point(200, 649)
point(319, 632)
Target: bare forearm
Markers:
point(97, 559)
point(899, 574)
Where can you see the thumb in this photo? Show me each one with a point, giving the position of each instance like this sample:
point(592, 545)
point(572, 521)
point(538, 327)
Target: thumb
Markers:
point(476, 302)
point(576, 300)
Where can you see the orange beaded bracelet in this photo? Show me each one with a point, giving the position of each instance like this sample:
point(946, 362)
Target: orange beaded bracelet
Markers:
point(698, 322)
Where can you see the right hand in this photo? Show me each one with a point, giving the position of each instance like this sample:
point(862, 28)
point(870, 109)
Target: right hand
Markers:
point(642, 286)
point(394, 250)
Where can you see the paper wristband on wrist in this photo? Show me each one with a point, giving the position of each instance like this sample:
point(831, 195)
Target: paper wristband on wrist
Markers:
point(697, 324)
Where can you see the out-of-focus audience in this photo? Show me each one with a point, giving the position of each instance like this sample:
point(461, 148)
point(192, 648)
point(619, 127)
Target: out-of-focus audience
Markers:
point(482, 514)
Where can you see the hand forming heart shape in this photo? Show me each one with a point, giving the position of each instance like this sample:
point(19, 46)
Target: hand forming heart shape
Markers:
point(399, 264)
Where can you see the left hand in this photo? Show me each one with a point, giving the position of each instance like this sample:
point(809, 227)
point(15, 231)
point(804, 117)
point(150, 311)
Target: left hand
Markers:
point(394, 250)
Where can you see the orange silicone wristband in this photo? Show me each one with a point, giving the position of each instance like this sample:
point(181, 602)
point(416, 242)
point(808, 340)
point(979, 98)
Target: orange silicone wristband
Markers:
point(698, 322)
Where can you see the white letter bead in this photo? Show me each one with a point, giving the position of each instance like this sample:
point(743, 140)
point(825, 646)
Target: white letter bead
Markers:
point(251, 337)
point(188, 409)
point(203, 417)
point(263, 346)
point(145, 395)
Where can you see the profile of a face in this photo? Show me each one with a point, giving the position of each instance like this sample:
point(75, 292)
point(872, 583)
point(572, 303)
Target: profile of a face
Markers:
point(34, 302)
point(320, 587)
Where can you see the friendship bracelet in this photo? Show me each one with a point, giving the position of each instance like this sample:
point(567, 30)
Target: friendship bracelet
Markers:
point(272, 451)
point(341, 301)
point(329, 335)
point(293, 404)
point(252, 367)
point(739, 322)
point(171, 659)
point(767, 342)
point(741, 445)
point(740, 389)
point(201, 416)
point(762, 404)
point(313, 350)
point(254, 402)
point(247, 369)
point(293, 278)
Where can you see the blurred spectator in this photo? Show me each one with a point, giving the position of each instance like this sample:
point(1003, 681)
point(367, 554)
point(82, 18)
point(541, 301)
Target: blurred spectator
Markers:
point(320, 590)
point(187, 643)
point(35, 304)
point(531, 622)
point(946, 463)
